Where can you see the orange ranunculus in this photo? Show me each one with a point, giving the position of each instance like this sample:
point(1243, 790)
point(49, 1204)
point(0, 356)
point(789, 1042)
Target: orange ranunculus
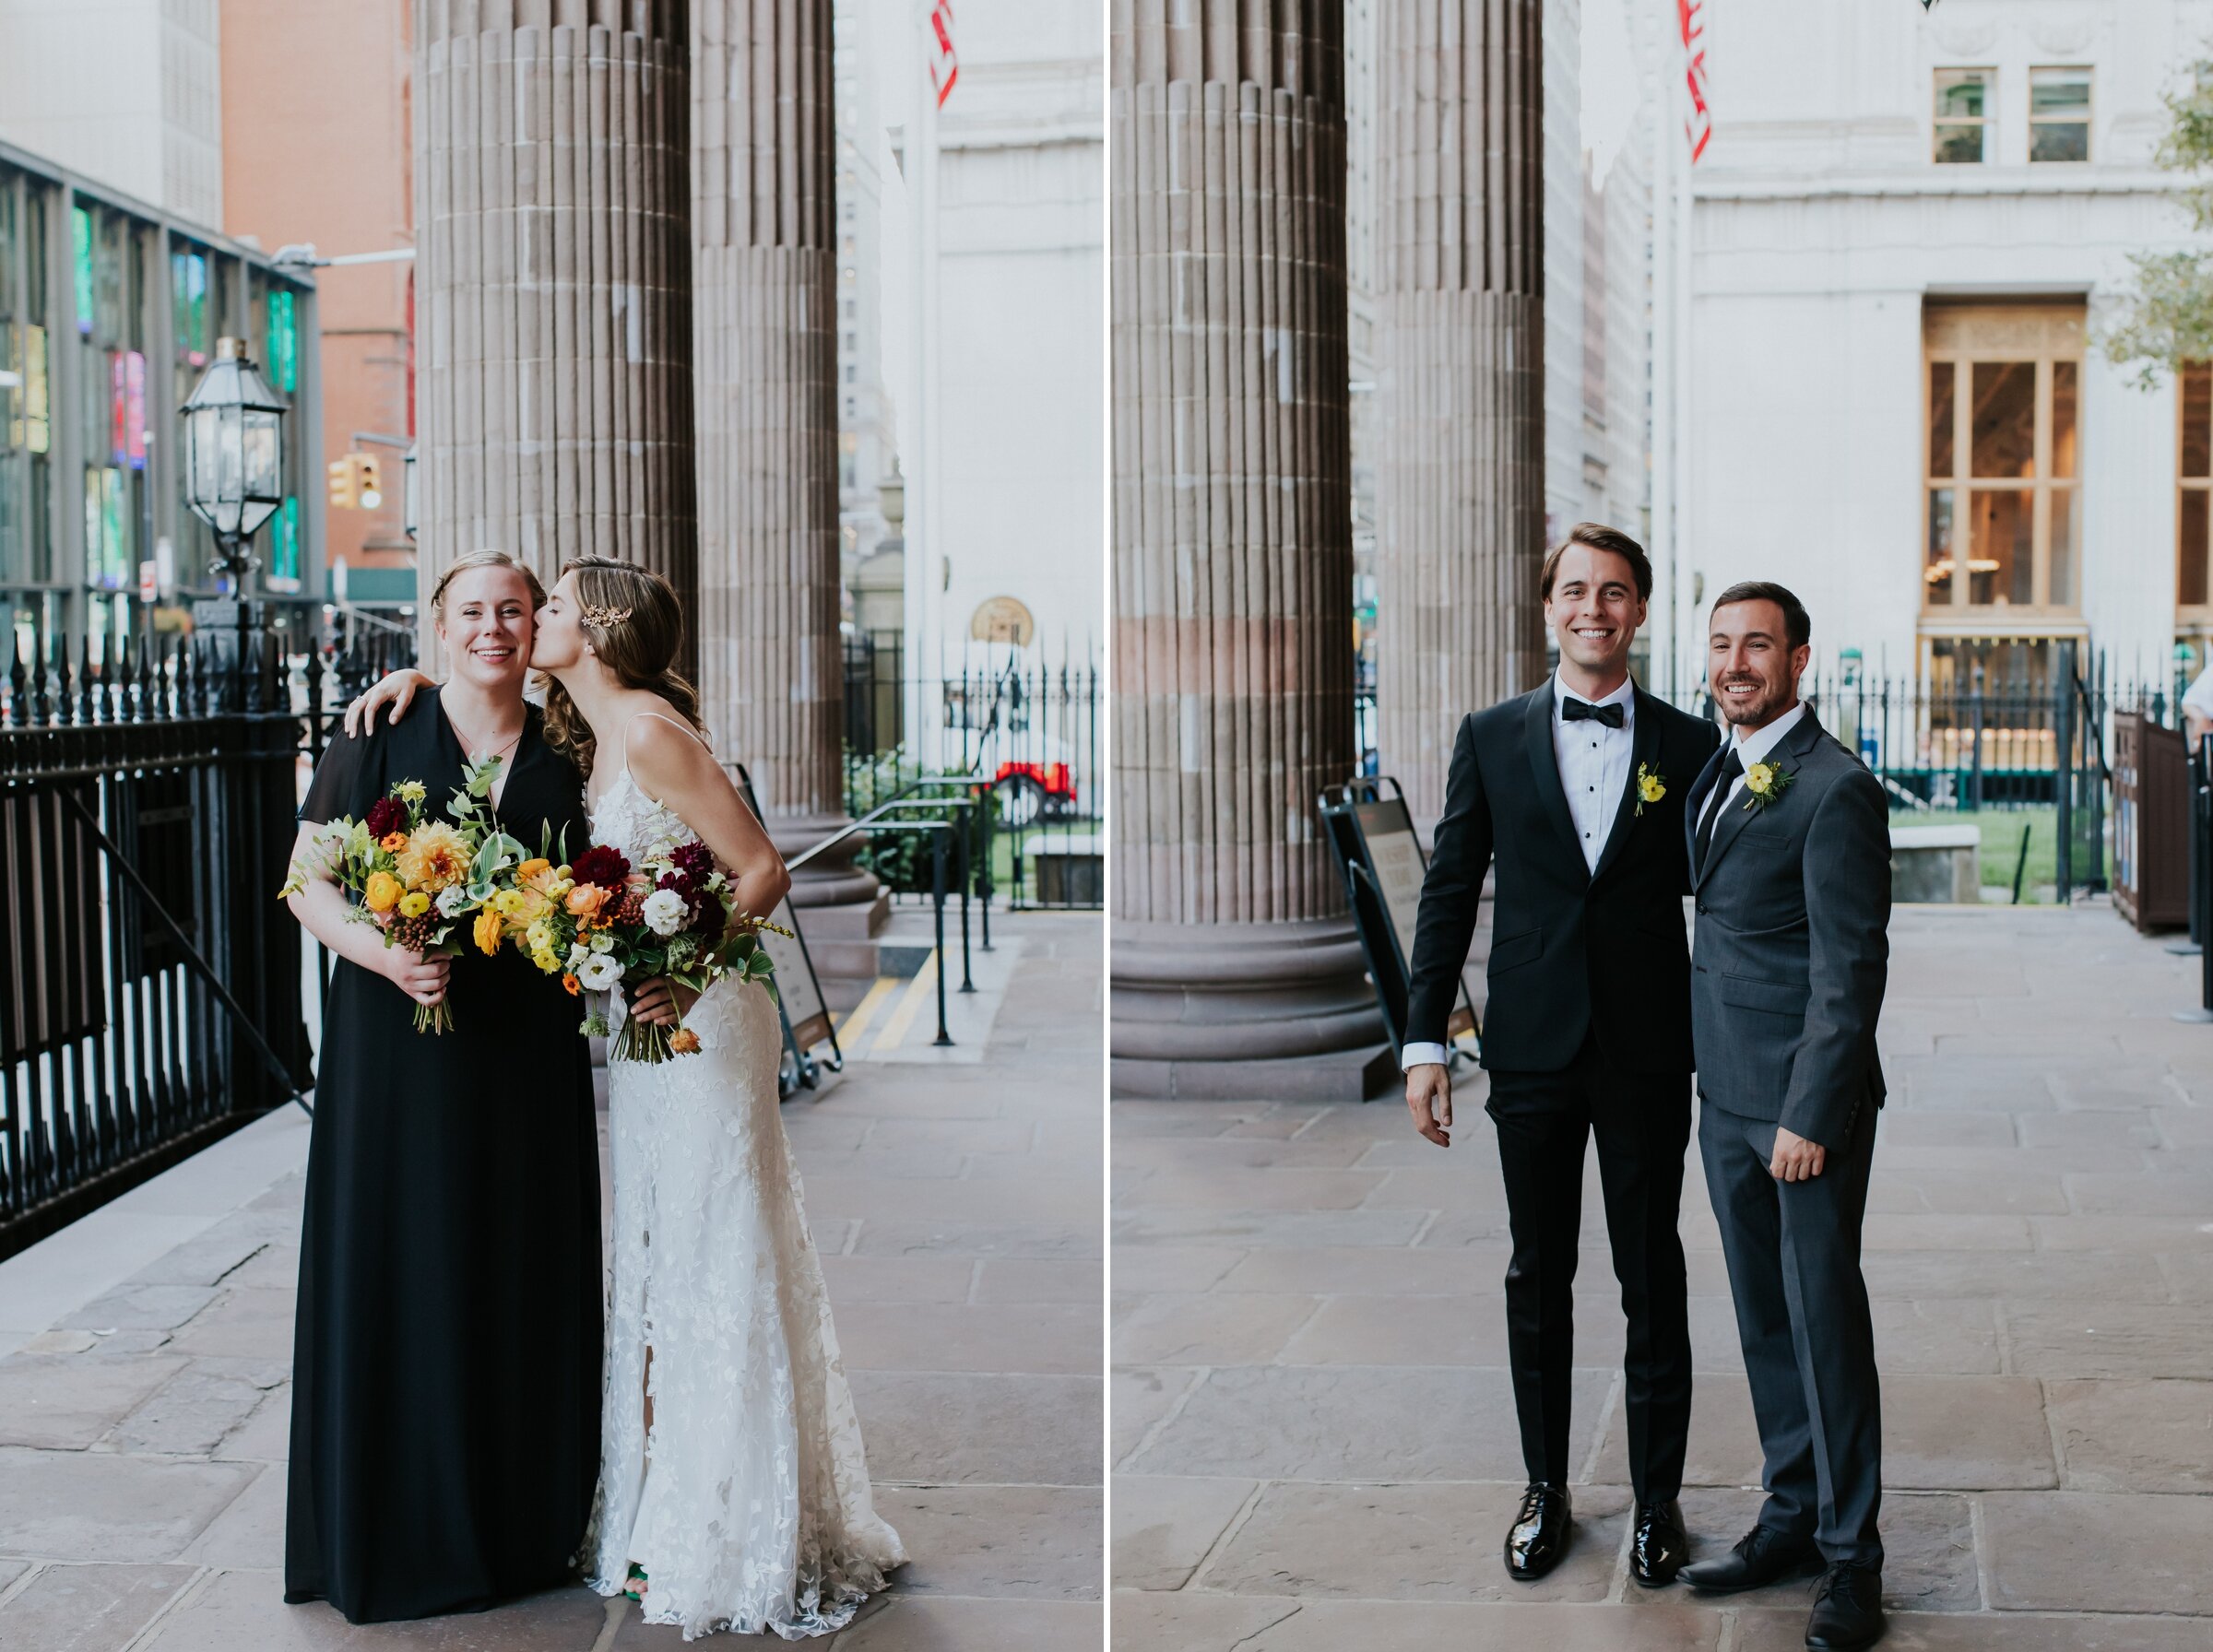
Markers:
point(392, 842)
point(383, 892)
point(487, 932)
point(574, 986)
point(683, 1042)
point(532, 867)
point(586, 900)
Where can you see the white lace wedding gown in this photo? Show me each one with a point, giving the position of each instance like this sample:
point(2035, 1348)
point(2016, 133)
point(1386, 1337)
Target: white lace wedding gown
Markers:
point(749, 1505)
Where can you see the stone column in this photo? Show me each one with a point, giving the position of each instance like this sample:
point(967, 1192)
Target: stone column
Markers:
point(765, 371)
point(553, 292)
point(1459, 507)
point(1236, 969)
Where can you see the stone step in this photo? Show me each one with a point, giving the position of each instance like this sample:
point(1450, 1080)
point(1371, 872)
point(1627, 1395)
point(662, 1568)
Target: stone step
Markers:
point(1342, 1075)
point(860, 920)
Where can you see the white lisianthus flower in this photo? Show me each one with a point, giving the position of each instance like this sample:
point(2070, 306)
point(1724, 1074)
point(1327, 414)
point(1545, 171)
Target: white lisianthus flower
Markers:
point(579, 955)
point(603, 942)
point(451, 900)
point(665, 912)
point(600, 974)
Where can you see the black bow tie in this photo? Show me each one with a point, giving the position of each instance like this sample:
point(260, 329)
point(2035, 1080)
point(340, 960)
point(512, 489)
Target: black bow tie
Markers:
point(1577, 711)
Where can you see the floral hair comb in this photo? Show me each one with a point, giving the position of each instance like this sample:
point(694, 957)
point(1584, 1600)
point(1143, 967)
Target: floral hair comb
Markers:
point(600, 618)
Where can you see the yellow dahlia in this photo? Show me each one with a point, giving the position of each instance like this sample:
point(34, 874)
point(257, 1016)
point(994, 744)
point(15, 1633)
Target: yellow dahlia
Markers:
point(435, 855)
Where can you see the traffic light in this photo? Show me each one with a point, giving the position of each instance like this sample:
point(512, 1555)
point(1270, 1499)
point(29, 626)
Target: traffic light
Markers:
point(371, 493)
point(340, 474)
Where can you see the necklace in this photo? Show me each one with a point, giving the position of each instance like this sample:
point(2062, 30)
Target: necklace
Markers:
point(470, 743)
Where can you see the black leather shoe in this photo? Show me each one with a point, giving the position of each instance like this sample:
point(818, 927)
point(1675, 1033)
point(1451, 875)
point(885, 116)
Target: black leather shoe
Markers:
point(1659, 1546)
point(1540, 1532)
point(1848, 1607)
point(1761, 1555)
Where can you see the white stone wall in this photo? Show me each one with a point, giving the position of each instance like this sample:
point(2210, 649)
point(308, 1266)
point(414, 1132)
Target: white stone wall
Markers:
point(1564, 443)
point(1820, 226)
point(127, 93)
point(1020, 434)
point(864, 410)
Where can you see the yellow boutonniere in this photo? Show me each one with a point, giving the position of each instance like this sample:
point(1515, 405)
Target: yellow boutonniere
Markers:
point(1651, 788)
point(1764, 783)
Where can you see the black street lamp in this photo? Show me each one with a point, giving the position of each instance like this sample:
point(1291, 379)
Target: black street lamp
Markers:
point(407, 491)
point(233, 454)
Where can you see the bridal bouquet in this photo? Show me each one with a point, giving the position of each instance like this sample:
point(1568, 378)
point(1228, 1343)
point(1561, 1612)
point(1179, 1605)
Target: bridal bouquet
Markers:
point(600, 922)
point(417, 877)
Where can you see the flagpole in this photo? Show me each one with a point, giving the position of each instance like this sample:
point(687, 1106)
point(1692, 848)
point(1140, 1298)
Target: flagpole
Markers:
point(1687, 165)
point(1665, 554)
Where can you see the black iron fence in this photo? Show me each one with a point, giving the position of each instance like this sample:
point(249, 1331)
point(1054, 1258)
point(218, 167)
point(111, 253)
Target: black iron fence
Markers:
point(155, 993)
point(1026, 731)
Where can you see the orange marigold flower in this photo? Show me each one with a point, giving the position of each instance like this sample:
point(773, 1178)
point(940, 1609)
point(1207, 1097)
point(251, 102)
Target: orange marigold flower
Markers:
point(392, 842)
point(571, 983)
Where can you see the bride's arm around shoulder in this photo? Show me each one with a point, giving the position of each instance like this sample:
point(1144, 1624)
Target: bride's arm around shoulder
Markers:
point(680, 771)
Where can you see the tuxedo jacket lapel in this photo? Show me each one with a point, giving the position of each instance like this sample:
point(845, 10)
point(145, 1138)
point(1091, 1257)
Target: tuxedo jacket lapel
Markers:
point(1694, 806)
point(1545, 764)
point(1736, 815)
point(1644, 752)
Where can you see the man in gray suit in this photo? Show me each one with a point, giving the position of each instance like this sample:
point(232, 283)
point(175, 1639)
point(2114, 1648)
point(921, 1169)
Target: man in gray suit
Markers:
point(1789, 856)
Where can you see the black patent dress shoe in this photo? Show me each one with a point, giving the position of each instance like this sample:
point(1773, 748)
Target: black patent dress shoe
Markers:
point(1540, 1532)
point(1848, 1607)
point(1761, 1555)
point(1659, 1546)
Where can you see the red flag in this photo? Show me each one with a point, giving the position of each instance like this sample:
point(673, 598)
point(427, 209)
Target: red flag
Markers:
point(944, 68)
point(1699, 127)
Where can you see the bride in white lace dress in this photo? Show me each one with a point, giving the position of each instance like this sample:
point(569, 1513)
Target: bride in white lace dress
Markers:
point(733, 1491)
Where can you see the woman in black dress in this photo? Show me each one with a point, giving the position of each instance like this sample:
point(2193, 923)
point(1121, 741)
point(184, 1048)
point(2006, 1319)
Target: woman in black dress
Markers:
point(445, 1392)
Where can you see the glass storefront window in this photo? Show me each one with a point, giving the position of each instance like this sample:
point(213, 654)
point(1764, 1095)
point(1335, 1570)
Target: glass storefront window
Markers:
point(2003, 445)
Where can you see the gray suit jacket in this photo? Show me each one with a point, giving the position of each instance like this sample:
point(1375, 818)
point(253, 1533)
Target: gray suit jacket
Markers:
point(1792, 950)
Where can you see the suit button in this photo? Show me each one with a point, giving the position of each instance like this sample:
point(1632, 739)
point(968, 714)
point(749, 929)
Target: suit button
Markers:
point(1701, 909)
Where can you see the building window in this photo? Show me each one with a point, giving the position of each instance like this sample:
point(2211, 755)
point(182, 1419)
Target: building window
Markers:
point(2059, 115)
point(1963, 106)
point(2003, 519)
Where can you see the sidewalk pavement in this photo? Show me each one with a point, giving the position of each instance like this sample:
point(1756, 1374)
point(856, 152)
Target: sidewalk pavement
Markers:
point(1313, 1444)
point(145, 1395)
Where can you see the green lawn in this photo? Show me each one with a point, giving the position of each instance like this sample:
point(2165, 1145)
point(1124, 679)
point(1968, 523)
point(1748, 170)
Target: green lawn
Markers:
point(2001, 842)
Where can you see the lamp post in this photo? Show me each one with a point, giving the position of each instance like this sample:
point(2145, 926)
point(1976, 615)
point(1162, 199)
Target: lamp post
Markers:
point(407, 491)
point(233, 455)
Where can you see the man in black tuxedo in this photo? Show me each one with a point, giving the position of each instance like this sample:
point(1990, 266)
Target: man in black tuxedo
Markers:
point(1790, 852)
point(1575, 790)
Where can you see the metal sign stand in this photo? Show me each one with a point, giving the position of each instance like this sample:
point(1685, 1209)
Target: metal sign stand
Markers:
point(1371, 834)
point(796, 980)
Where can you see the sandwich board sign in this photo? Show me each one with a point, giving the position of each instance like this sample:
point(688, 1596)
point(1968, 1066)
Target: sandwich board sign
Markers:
point(798, 993)
point(1372, 837)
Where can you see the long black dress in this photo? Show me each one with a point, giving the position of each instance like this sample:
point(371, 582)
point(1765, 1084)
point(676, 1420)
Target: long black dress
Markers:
point(446, 1378)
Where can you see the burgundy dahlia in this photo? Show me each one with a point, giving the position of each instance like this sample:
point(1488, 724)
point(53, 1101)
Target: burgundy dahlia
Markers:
point(386, 815)
point(600, 865)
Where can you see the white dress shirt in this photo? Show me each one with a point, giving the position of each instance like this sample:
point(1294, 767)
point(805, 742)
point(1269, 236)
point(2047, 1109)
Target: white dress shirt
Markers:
point(1593, 761)
point(1751, 748)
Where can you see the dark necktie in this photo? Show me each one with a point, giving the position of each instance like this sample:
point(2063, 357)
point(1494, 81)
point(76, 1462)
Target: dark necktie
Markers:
point(1731, 766)
point(1577, 711)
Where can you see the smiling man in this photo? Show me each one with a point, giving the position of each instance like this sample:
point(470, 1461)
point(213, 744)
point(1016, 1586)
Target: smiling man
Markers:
point(1575, 792)
point(1790, 854)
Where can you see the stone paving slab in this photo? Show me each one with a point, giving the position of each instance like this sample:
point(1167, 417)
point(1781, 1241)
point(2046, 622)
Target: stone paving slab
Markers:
point(1313, 1440)
point(143, 1424)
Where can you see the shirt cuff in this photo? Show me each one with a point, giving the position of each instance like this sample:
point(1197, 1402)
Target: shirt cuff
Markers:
point(1415, 1054)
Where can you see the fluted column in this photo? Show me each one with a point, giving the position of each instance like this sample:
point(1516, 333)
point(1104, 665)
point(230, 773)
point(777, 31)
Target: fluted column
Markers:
point(1235, 970)
point(764, 367)
point(1460, 473)
point(553, 312)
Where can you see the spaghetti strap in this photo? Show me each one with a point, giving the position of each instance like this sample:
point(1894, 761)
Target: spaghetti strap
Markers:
point(664, 716)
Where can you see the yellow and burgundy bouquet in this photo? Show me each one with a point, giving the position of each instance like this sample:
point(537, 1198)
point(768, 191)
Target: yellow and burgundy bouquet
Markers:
point(601, 922)
point(417, 877)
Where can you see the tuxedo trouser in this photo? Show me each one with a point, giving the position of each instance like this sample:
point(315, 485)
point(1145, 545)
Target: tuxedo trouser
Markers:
point(1793, 1255)
point(1642, 1125)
